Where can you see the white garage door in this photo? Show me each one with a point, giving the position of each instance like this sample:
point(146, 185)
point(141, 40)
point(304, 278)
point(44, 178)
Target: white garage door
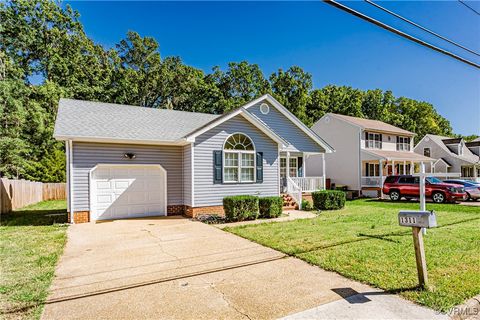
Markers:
point(127, 191)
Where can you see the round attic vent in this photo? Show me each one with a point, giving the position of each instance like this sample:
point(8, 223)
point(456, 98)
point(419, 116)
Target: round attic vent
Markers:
point(264, 108)
point(427, 139)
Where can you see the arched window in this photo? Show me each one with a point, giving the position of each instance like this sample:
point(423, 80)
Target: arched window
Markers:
point(239, 159)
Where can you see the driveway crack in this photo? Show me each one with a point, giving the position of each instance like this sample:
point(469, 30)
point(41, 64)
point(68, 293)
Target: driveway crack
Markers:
point(224, 297)
point(159, 241)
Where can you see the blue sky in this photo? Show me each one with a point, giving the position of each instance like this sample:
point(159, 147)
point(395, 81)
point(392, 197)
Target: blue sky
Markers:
point(335, 47)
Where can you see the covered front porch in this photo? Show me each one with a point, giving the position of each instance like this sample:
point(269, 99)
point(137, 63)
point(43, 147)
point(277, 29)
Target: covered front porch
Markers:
point(377, 165)
point(293, 178)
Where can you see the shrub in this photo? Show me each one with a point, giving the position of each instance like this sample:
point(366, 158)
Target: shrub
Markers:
point(210, 218)
point(239, 208)
point(306, 205)
point(270, 207)
point(328, 199)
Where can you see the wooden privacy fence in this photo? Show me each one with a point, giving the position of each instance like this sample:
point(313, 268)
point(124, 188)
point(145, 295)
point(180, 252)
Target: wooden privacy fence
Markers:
point(15, 194)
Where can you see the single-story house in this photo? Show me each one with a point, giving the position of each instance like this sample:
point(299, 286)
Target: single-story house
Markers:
point(128, 161)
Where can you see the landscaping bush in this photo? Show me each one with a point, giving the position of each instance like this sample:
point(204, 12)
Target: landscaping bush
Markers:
point(306, 205)
point(328, 199)
point(239, 208)
point(270, 207)
point(210, 218)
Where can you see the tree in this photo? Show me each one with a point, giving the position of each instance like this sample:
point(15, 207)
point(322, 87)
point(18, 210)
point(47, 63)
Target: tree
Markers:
point(292, 88)
point(241, 83)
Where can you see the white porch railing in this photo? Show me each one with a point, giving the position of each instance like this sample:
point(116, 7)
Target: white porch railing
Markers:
point(372, 181)
point(295, 192)
point(309, 184)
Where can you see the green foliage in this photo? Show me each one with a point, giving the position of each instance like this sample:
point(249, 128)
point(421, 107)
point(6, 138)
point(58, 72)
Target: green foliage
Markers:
point(45, 41)
point(240, 208)
point(291, 88)
point(306, 205)
point(270, 207)
point(328, 199)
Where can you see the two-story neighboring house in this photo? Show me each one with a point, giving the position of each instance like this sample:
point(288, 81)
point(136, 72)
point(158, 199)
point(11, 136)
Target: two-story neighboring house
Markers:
point(453, 155)
point(366, 151)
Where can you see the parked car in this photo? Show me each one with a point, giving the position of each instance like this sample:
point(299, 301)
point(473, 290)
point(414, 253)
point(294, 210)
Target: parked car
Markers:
point(472, 189)
point(409, 187)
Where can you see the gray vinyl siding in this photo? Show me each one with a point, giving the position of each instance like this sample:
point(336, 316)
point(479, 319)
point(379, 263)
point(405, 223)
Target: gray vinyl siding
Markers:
point(187, 175)
point(437, 152)
point(206, 193)
point(283, 126)
point(87, 155)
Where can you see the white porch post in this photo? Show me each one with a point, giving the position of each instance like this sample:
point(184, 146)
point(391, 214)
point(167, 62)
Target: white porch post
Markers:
point(475, 173)
point(404, 167)
point(304, 164)
point(431, 167)
point(324, 174)
point(393, 168)
point(381, 178)
point(287, 174)
point(412, 169)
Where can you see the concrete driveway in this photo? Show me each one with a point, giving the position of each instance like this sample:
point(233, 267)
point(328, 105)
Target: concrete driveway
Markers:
point(178, 269)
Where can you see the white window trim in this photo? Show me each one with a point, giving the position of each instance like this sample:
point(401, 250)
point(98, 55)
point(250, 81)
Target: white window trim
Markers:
point(376, 173)
point(429, 151)
point(373, 141)
point(289, 166)
point(402, 141)
point(239, 161)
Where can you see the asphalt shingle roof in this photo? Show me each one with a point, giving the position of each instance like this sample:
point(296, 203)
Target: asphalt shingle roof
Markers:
point(87, 119)
point(372, 124)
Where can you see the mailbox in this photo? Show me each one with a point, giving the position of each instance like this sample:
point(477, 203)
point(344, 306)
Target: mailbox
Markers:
point(422, 219)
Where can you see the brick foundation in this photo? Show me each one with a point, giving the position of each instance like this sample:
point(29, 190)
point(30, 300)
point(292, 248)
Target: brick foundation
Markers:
point(176, 210)
point(172, 210)
point(80, 216)
point(194, 212)
point(308, 197)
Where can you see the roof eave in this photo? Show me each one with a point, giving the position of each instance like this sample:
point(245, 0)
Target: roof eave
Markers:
point(179, 142)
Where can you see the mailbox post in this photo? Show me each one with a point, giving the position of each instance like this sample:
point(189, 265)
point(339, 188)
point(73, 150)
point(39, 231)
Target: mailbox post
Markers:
point(418, 220)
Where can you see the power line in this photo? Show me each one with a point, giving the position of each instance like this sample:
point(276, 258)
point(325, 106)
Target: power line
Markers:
point(466, 5)
point(421, 27)
point(400, 33)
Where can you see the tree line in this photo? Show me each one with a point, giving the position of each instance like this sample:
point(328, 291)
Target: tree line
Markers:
point(45, 55)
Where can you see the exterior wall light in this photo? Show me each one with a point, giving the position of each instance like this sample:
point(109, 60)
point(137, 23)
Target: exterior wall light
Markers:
point(129, 155)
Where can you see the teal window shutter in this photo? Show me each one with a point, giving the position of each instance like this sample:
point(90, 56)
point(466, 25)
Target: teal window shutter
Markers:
point(259, 167)
point(217, 166)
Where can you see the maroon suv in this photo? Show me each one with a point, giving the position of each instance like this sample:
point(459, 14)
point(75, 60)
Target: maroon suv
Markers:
point(409, 187)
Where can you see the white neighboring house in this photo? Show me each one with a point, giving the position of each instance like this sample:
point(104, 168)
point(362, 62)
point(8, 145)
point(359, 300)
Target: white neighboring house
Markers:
point(459, 156)
point(366, 151)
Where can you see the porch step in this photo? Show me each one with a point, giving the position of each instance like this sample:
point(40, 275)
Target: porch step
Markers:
point(288, 202)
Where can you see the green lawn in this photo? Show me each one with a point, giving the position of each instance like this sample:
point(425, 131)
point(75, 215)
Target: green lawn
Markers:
point(31, 243)
point(364, 242)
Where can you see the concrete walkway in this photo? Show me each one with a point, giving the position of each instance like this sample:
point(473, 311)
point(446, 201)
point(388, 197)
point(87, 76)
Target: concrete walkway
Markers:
point(174, 268)
point(288, 216)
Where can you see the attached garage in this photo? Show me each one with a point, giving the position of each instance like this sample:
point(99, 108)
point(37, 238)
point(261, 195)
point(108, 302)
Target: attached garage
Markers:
point(127, 191)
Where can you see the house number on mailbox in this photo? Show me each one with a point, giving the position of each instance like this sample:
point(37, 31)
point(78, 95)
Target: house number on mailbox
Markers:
point(408, 220)
point(418, 220)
